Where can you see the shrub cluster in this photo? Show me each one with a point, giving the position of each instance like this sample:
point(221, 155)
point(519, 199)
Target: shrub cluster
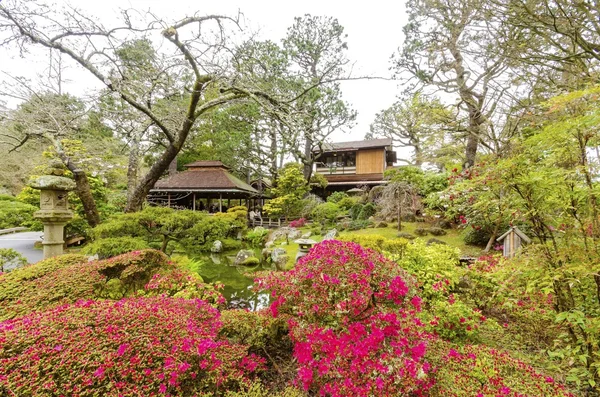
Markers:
point(136, 346)
point(351, 316)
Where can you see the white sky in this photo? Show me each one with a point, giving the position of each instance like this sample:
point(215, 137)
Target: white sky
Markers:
point(374, 32)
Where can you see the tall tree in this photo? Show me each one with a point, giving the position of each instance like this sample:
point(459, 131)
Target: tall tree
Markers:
point(200, 55)
point(451, 46)
point(415, 122)
point(316, 49)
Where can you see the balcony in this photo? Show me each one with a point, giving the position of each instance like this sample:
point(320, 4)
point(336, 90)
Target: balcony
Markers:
point(335, 169)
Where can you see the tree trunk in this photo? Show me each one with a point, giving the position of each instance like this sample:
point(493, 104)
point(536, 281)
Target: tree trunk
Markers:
point(308, 157)
point(82, 185)
point(132, 167)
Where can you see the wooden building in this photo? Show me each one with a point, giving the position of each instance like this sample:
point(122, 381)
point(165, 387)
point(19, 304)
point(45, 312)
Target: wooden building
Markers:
point(204, 186)
point(513, 239)
point(348, 165)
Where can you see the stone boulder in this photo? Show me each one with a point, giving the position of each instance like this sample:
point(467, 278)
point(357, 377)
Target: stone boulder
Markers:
point(217, 247)
point(294, 234)
point(242, 256)
point(306, 235)
point(330, 235)
point(276, 253)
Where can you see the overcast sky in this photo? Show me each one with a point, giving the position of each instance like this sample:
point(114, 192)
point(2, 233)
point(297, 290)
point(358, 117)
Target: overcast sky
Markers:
point(374, 32)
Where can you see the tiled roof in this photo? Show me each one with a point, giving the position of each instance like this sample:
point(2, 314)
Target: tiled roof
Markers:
point(205, 179)
point(355, 145)
point(206, 163)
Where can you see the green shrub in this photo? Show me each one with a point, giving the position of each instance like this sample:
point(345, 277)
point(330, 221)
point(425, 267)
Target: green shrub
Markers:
point(257, 237)
point(107, 247)
point(231, 244)
point(366, 240)
point(10, 258)
point(395, 247)
point(258, 390)
point(381, 224)
point(355, 210)
point(14, 213)
point(437, 231)
point(347, 203)
point(326, 213)
point(360, 224)
point(336, 197)
point(476, 237)
point(367, 211)
point(421, 231)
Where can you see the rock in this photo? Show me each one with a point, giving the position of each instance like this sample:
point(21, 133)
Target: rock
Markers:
point(432, 241)
point(242, 255)
point(216, 259)
point(217, 247)
point(266, 253)
point(283, 243)
point(281, 262)
point(330, 235)
point(405, 235)
point(93, 258)
point(269, 244)
point(276, 253)
point(294, 234)
point(306, 235)
point(251, 261)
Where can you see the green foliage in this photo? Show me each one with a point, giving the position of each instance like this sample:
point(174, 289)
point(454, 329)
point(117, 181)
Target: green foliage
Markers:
point(336, 197)
point(421, 231)
point(257, 237)
point(10, 258)
point(326, 213)
point(250, 261)
point(367, 211)
point(113, 246)
point(424, 182)
point(360, 224)
point(291, 188)
point(258, 390)
point(14, 213)
point(355, 210)
point(476, 237)
point(257, 330)
point(437, 231)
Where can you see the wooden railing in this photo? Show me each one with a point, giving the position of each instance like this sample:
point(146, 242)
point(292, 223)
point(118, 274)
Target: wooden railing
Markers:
point(268, 222)
point(12, 230)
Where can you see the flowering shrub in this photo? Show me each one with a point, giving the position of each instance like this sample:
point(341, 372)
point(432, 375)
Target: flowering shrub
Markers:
point(480, 371)
point(298, 223)
point(180, 283)
point(257, 330)
point(133, 347)
point(352, 320)
point(54, 282)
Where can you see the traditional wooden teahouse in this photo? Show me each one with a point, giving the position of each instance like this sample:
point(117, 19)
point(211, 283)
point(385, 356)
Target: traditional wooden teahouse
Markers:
point(513, 239)
point(204, 186)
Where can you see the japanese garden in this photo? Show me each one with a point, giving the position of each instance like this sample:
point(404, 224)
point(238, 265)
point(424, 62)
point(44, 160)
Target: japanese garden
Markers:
point(198, 202)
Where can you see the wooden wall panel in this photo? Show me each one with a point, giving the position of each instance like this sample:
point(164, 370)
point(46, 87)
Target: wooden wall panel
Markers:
point(370, 161)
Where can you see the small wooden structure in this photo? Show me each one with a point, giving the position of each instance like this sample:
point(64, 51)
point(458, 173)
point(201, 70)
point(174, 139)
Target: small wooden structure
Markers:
point(204, 186)
point(513, 239)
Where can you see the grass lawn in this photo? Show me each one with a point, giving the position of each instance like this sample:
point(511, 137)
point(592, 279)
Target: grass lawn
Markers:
point(452, 238)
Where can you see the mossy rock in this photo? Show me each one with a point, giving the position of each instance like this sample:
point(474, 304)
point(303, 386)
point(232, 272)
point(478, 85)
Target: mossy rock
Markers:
point(433, 241)
point(421, 231)
point(405, 235)
point(437, 231)
point(251, 261)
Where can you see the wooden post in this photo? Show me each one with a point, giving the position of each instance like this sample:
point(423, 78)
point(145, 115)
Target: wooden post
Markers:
point(228, 202)
point(194, 201)
point(169, 200)
point(220, 202)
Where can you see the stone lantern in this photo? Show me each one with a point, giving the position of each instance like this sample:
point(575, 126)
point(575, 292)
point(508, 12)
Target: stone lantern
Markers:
point(304, 246)
point(54, 212)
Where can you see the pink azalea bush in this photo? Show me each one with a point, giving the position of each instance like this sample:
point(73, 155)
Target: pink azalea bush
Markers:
point(68, 278)
point(298, 222)
point(151, 346)
point(352, 319)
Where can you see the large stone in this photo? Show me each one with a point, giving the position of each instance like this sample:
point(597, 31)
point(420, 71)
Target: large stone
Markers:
point(276, 253)
point(330, 235)
point(269, 244)
point(242, 255)
point(294, 234)
point(306, 235)
point(281, 233)
point(281, 263)
point(217, 247)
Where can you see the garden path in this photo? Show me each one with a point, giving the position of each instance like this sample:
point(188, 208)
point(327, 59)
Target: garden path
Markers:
point(23, 243)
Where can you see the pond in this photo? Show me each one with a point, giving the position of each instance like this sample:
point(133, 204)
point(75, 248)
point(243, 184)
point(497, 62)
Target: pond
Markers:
point(238, 281)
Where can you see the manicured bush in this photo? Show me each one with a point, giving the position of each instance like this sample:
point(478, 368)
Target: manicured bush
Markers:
point(347, 203)
point(250, 261)
point(355, 210)
point(258, 390)
point(326, 213)
point(405, 235)
point(476, 237)
point(113, 246)
point(367, 211)
point(360, 224)
point(257, 330)
point(56, 283)
point(365, 240)
point(14, 213)
point(134, 347)
point(336, 197)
